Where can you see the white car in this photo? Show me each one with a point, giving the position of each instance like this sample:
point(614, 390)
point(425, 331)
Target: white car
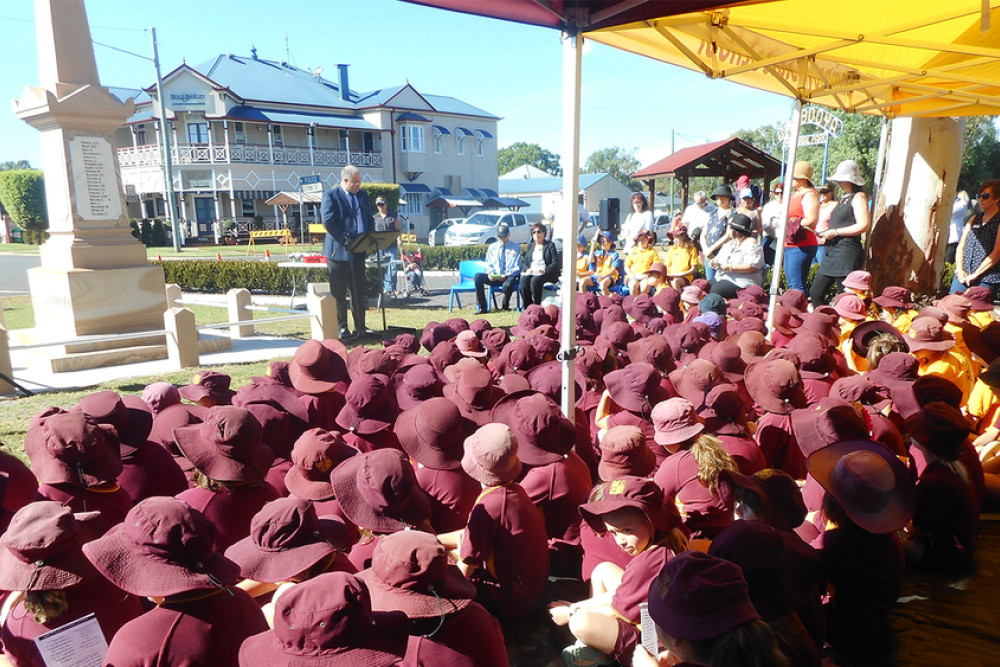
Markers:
point(481, 228)
point(436, 237)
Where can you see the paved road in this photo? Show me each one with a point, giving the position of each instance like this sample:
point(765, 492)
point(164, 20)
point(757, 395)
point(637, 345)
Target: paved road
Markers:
point(14, 273)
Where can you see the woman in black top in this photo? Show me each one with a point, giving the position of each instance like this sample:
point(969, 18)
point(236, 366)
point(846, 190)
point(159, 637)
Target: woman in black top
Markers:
point(542, 261)
point(842, 240)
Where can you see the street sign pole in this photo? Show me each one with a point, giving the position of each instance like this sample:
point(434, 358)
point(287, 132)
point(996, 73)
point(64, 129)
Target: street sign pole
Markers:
point(309, 184)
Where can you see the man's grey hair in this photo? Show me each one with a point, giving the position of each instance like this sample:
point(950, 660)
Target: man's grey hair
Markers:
point(701, 194)
point(349, 172)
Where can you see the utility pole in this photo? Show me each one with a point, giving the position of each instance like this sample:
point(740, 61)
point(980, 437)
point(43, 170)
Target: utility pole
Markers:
point(168, 166)
point(672, 179)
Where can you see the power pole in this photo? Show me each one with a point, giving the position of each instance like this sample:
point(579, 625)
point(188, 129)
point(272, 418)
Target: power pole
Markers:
point(168, 166)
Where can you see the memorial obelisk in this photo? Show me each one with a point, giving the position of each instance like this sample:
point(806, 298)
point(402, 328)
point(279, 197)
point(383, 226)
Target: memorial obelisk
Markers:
point(94, 277)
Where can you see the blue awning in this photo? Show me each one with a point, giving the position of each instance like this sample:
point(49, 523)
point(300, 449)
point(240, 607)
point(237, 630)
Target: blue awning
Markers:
point(484, 133)
point(444, 192)
point(472, 192)
point(440, 129)
point(412, 117)
point(464, 131)
point(414, 188)
point(282, 117)
point(488, 192)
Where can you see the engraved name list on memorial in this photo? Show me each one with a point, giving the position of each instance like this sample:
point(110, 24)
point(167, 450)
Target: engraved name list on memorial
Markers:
point(95, 183)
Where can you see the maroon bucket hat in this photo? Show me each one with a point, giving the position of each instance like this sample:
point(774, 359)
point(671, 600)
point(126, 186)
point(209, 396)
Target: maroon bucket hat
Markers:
point(71, 447)
point(227, 447)
point(957, 307)
point(636, 388)
point(370, 360)
point(167, 420)
point(698, 597)
point(544, 435)
point(940, 428)
point(407, 341)
point(454, 372)
point(378, 490)
point(675, 421)
point(40, 549)
point(457, 324)
point(653, 350)
point(131, 424)
point(474, 394)
point(857, 389)
point(208, 384)
point(530, 318)
point(469, 345)
point(815, 359)
point(547, 379)
point(724, 403)
point(783, 320)
point(695, 380)
point(480, 326)
point(160, 395)
point(275, 425)
point(276, 373)
point(753, 346)
point(416, 385)
point(822, 323)
point(164, 547)
point(624, 452)
point(827, 421)
point(514, 382)
point(869, 483)
point(780, 496)
point(894, 296)
point(318, 366)
point(546, 347)
point(863, 335)
point(619, 334)
point(287, 538)
point(314, 455)
point(926, 333)
point(491, 455)
point(759, 551)
point(434, 333)
point(775, 385)
point(728, 358)
point(412, 572)
point(754, 293)
point(794, 300)
point(495, 340)
point(326, 620)
point(640, 307)
point(370, 407)
point(445, 354)
point(636, 492)
point(276, 396)
point(433, 432)
point(980, 298)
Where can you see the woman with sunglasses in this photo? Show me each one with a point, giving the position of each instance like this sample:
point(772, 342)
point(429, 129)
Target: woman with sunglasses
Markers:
point(849, 219)
point(542, 260)
point(977, 260)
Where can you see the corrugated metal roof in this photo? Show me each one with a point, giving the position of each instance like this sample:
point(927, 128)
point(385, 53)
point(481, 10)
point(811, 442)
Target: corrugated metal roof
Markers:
point(446, 104)
point(284, 117)
point(123, 94)
point(272, 81)
point(544, 184)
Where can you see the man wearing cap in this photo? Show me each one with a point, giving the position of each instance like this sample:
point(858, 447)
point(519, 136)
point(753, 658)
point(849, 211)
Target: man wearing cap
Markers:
point(385, 222)
point(346, 214)
point(503, 267)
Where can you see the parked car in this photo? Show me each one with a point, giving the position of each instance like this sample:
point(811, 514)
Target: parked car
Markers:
point(481, 228)
point(436, 237)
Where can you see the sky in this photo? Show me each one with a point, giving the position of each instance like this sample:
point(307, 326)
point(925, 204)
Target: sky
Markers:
point(511, 70)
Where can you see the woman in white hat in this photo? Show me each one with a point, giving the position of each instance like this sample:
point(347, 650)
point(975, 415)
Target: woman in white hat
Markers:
point(842, 240)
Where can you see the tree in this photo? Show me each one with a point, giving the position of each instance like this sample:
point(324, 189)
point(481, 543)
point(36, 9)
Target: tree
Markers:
point(22, 192)
point(513, 156)
point(981, 153)
point(12, 164)
point(616, 161)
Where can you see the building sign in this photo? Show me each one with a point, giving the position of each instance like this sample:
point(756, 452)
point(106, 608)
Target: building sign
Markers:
point(95, 182)
point(197, 179)
point(829, 126)
point(187, 101)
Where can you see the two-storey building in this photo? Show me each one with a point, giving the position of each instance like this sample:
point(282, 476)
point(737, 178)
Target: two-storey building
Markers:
point(243, 129)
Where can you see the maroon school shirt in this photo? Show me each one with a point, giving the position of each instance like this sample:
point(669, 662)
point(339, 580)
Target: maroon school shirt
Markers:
point(816, 388)
point(322, 409)
point(231, 510)
point(600, 548)
point(946, 518)
point(744, 451)
point(558, 489)
point(703, 511)
point(113, 503)
point(149, 470)
point(383, 439)
point(967, 457)
point(473, 632)
point(424, 652)
point(506, 538)
point(112, 606)
point(775, 438)
point(202, 631)
point(634, 589)
point(452, 494)
point(276, 476)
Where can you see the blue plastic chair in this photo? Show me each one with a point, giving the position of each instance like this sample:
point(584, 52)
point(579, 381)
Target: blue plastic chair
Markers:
point(467, 271)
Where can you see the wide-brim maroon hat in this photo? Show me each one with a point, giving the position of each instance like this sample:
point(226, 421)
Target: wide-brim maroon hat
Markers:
point(474, 394)
point(318, 366)
point(433, 432)
point(775, 385)
point(227, 447)
point(927, 333)
point(71, 447)
point(276, 396)
point(636, 388)
point(863, 334)
point(378, 490)
point(543, 434)
point(208, 384)
point(825, 422)
point(370, 405)
point(163, 548)
point(314, 455)
point(635, 492)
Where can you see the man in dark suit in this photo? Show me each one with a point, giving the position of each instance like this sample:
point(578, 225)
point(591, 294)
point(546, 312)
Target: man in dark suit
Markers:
point(346, 213)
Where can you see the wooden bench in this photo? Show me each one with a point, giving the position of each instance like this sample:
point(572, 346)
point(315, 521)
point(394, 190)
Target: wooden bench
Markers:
point(282, 236)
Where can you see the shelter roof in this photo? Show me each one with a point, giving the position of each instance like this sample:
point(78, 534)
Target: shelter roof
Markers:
point(284, 198)
point(718, 158)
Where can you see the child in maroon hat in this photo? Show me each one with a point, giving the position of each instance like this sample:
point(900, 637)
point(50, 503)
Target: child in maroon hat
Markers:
point(319, 372)
point(53, 584)
point(689, 476)
point(650, 531)
point(776, 387)
point(208, 388)
point(725, 418)
point(18, 487)
point(503, 549)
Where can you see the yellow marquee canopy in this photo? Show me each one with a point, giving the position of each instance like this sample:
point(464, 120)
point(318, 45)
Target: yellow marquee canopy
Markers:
point(890, 57)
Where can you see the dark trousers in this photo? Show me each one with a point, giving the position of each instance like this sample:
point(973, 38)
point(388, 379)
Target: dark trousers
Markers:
point(483, 279)
point(821, 283)
point(531, 288)
point(724, 288)
point(344, 276)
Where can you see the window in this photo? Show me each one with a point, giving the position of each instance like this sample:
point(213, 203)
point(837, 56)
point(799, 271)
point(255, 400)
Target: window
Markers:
point(481, 138)
point(412, 137)
point(197, 133)
point(248, 208)
point(438, 143)
point(343, 140)
point(276, 136)
point(140, 135)
point(368, 142)
point(414, 203)
point(460, 144)
point(241, 137)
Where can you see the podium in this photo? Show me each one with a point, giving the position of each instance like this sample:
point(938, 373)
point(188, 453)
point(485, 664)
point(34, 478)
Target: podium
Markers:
point(372, 242)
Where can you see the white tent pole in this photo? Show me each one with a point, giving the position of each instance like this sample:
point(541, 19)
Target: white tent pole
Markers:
point(779, 252)
point(883, 142)
point(572, 52)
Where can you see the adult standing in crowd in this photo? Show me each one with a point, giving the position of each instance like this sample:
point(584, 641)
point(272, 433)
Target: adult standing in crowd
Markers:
point(803, 214)
point(842, 239)
point(542, 261)
point(714, 232)
point(346, 214)
point(640, 219)
point(503, 267)
point(697, 215)
point(385, 222)
point(978, 254)
point(959, 211)
point(827, 202)
point(770, 222)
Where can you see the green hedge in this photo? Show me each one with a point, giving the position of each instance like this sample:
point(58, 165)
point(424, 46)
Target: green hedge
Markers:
point(22, 192)
point(215, 277)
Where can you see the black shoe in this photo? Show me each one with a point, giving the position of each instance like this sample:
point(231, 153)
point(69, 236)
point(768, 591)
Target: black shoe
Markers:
point(479, 311)
point(346, 335)
point(505, 308)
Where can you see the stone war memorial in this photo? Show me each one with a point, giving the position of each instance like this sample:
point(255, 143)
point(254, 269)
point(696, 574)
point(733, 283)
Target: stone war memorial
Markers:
point(94, 279)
